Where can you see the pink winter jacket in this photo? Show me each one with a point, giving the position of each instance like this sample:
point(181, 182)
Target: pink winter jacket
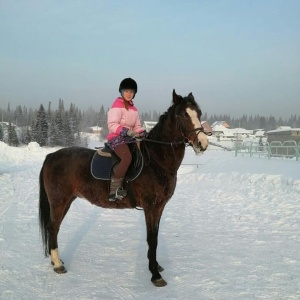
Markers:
point(118, 117)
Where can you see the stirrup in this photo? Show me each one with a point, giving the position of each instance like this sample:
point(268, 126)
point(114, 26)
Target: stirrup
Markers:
point(118, 195)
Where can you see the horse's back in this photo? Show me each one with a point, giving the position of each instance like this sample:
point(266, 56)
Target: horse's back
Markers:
point(70, 155)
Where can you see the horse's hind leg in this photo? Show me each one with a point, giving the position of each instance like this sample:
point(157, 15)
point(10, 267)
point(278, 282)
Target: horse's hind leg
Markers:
point(57, 215)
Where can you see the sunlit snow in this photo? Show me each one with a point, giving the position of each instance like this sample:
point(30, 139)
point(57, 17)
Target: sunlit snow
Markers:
point(231, 231)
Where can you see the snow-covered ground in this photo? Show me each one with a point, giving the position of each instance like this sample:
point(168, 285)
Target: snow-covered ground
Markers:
point(231, 231)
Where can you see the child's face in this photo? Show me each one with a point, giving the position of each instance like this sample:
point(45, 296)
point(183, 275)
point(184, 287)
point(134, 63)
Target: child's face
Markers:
point(128, 95)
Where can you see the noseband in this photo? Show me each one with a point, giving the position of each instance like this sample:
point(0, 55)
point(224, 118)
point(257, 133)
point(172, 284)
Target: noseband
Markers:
point(198, 130)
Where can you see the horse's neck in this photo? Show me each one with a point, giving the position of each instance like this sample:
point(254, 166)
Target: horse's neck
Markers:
point(170, 153)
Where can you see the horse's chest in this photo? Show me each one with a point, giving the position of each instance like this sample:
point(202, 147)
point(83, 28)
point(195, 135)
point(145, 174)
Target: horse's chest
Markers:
point(165, 182)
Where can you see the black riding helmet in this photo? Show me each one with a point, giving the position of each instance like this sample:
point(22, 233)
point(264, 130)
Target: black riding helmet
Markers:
point(128, 84)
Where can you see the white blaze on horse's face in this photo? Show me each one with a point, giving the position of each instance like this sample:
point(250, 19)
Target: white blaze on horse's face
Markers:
point(202, 137)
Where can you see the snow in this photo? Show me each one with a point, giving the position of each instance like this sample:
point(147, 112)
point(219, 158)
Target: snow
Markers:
point(231, 231)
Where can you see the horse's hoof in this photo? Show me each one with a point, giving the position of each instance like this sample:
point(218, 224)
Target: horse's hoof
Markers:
point(159, 282)
point(159, 268)
point(60, 270)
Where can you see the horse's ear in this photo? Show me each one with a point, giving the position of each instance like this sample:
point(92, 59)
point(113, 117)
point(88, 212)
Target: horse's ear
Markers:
point(176, 98)
point(191, 97)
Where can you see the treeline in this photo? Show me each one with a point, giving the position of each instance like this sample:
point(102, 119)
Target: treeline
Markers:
point(63, 127)
point(255, 122)
point(48, 127)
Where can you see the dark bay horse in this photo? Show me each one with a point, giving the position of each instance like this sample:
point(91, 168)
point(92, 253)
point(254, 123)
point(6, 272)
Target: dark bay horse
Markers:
point(66, 175)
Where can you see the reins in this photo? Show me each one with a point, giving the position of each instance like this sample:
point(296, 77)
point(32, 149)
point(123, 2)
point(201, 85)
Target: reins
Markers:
point(164, 143)
point(186, 141)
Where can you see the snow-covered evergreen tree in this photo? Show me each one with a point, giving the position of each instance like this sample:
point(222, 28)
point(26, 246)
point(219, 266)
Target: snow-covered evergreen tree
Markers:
point(102, 119)
point(52, 136)
point(1, 133)
point(27, 136)
point(69, 139)
point(102, 122)
point(12, 136)
point(41, 127)
point(34, 134)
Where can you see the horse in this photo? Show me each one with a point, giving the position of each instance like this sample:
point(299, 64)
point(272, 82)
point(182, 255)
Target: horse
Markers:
point(66, 175)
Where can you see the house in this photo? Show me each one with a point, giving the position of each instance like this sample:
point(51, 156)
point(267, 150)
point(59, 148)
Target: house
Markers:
point(284, 133)
point(221, 123)
point(6, 124)
point(220, 130)
point(206, 126)
point(241, 132)
point(284, 128)
point(231, 133)
point(259, 133)
point(96, 129)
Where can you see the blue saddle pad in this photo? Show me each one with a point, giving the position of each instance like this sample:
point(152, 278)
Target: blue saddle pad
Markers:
point(101, 166)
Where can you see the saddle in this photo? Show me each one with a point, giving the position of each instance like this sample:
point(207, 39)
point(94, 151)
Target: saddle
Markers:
point(105, 159)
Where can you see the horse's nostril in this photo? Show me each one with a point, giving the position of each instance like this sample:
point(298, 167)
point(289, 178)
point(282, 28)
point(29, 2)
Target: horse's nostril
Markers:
point(201, 147)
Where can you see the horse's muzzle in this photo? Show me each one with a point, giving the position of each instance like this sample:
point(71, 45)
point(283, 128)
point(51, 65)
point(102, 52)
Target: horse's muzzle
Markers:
point(202, 149)
point(202, 141)
point(198, 147)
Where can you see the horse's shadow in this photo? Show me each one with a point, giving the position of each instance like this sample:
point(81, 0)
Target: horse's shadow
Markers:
point(73, 243)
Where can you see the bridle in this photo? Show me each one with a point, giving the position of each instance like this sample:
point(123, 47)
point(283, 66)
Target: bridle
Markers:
point(198, 130)
point(186, 140)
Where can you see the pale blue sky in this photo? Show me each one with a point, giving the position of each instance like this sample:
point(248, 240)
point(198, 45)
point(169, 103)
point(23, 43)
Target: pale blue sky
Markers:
point(236, 56)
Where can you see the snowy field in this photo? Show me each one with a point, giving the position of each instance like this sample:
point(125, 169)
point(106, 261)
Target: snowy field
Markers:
point(231, 231)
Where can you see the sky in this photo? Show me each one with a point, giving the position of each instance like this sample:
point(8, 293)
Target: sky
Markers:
point(231, 231)
point(236, 57)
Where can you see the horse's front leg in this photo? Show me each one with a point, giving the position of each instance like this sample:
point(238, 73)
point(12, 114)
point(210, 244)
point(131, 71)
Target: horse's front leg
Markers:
point(58, 265)
point(152, 222)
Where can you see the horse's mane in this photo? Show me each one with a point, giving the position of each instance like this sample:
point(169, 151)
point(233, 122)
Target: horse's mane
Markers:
point(174, 110)
point(156, 131)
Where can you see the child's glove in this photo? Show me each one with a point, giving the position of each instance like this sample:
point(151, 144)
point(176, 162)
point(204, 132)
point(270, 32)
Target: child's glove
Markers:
point(127, 132)
point(141, 135)
point(132, 133)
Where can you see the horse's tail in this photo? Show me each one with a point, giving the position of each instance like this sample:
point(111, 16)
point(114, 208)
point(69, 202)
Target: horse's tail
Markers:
point(44, 212)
